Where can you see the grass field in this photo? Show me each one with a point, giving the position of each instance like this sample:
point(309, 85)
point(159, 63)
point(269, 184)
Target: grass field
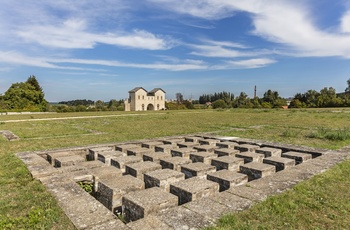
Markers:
point(320, 203)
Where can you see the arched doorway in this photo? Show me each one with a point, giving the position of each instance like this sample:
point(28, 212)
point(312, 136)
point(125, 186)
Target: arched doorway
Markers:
point(150, 107)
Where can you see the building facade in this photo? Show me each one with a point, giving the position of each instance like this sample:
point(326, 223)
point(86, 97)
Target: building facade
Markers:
point(142, 100)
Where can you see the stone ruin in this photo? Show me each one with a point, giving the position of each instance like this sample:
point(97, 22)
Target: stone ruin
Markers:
point(182, 182)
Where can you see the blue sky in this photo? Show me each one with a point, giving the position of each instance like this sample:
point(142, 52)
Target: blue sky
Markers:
point(99, 50)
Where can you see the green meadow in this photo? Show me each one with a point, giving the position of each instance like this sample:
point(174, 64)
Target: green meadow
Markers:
point(322, 202)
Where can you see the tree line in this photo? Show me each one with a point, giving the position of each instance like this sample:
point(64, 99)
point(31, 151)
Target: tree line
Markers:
point(271, 99)
point(29, 96)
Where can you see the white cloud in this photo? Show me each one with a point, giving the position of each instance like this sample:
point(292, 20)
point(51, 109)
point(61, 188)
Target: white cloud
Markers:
point(288, 23)
point(225, 49)
point(345, 22)
point(252, 63)
point(215, 51)
point(72, 34)
point(226, 44)
point(15, 58)
point(199, 8)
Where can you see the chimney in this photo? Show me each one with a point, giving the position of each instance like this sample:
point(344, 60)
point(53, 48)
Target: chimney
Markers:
point(254, 91)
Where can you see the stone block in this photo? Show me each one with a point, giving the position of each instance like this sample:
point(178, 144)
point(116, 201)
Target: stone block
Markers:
point(106, 156)
point(83, 210)
point(41, 170)
point(209, 141)
point(150, 222)
point(247, 192)
point(226, 152)
point(193, 139)
point(92, 152)
point(183, 218)
point(51, 157)
point(125, 147)
point(197, 169)
point(233, 202)
point(227, 179)
point(250, 156)
point(204, 157)
point(156, 156)
point(174, 163)
point(106, 172)
point(91, 164)
point(269, 152)
point(111, 224)
point(151, 144)
point(68, 160)
point(281, 163)
point(138, 151)
point(227, 162)
point(208, 208)
point(227, 144)
point(193, 189)
point(297, 156)
point(247, 147)
point(162, 178)
point(139, 204)
point(138, 169)
point(256, 170)
point(121, 161)
point(187, 144)
point(173, 141)
point(110, 192)
point(183, 152)
point(164, 148)
point(206, 148)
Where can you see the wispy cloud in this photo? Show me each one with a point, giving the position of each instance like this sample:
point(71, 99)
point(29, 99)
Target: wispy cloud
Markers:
point(287, 23)
point(16, 58)
point(73, 34)
point(208, 9)
point(225, 49)
point(252, 63)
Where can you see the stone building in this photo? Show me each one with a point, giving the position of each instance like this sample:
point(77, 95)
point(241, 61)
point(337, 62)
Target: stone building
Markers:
point(141, 100)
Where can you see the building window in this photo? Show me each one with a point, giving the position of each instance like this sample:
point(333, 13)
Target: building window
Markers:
point(138, 97)
point(157, 106)
point(161, 97)
point(143, 97)
point(143, 107)
point(157, 97)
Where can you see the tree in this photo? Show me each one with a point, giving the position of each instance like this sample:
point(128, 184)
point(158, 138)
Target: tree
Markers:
point(219, 104)
point(273, 98)
point(311, 97)
point(32, 81)
point(179, 98)
point(113, 105)
point(328, 98)
point(100, 105)
point(242, 101)
point(24, 96)
point(347, 90)
point(188, 104)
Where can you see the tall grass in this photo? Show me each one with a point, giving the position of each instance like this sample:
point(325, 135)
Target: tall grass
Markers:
point(341, 134)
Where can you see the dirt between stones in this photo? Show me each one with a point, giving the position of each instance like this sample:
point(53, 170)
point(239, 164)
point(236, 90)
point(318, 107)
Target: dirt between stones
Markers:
point(218, 175)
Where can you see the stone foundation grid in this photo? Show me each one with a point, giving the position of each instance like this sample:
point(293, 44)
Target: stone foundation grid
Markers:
point(182, 182)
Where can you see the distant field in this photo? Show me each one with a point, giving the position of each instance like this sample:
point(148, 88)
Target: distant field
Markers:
point(24, 203)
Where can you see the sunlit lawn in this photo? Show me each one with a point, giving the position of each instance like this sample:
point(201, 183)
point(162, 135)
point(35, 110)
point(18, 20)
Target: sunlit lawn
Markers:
point(24, 203)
